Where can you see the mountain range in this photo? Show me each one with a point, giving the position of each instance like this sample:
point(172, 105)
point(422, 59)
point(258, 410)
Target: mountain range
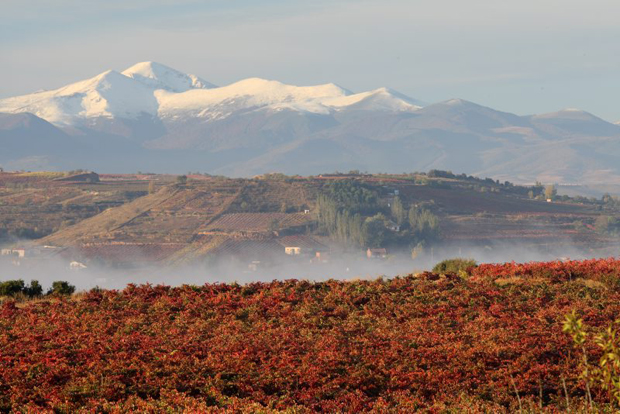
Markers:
point(151, 117)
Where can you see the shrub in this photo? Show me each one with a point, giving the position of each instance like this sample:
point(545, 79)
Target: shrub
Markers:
point(60, 287)
point(607, 374)
point(11, 287)
point(14, 288)
point(35, 289)
point(457, 265)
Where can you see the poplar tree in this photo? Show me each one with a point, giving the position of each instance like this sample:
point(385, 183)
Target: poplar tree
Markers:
point(398, 211)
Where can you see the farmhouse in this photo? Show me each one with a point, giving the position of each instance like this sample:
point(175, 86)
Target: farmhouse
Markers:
point(29, 252)
point(292, 250)
point(16, 252)
point(301, 245)
point(20, 254)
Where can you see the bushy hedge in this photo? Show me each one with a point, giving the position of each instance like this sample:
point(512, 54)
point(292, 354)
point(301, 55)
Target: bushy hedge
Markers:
point(457, 266)
point(17, 287)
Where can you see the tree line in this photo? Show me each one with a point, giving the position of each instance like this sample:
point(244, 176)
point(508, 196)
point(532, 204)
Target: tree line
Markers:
point(349, 212)
point(13, 288)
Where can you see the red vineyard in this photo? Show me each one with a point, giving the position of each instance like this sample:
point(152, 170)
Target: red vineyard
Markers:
point(428, 342)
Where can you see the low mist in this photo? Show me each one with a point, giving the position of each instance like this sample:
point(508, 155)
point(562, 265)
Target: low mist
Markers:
point(343, 266)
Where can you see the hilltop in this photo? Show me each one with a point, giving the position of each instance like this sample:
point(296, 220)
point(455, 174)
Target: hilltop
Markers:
point(168, 220)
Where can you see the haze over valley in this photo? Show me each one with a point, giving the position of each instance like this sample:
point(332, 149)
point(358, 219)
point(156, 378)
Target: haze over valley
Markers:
point(108, 230)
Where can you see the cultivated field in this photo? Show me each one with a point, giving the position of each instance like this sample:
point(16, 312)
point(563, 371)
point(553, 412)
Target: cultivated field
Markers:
point(488, 340)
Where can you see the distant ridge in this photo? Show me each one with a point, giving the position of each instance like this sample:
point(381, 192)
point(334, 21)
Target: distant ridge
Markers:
point(155, 118)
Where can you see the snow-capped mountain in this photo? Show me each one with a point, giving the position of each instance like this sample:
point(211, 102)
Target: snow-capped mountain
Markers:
point(153, 89)
point(155, 118)
point(158, 76)
point(109, 95)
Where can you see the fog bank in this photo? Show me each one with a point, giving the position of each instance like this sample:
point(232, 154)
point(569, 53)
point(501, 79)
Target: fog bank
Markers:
point(342, 266)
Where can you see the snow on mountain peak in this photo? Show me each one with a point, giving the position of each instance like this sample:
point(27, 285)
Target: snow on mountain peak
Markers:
point(150, 88)
point(160, 76)
point(109, 94)
point(382, 99)
point(456, 102)
point(274, 90)
point(252, 93)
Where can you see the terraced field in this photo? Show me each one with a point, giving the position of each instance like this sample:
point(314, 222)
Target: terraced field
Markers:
point(200, 215)
point(34, 205)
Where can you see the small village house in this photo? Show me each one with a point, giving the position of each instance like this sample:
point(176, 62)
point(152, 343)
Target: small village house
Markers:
point(17, 252)
point(301, 246)
point(292, 250)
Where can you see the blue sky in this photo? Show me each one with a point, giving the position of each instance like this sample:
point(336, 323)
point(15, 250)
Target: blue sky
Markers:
point(527, 56)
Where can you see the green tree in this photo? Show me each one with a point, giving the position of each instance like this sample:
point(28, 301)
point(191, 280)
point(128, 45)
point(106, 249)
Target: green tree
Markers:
point(607, 225)
point(343, 232)
point(375, 232)
point(327, 214)
point(424, 224)
point(61, 287)
point(182, 179)
point(457, 265)
point(398, 211)
point(356, 230)
point(35, 289)
point(11, 287)
point(352, 195)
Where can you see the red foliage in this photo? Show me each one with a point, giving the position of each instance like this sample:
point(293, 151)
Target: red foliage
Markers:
point(409, 343)
point(601, 270)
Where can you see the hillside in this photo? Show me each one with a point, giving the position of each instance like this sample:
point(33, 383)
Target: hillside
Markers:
point(489, 340)
point(150, 115)
point(217, 218)
point(36, 204)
